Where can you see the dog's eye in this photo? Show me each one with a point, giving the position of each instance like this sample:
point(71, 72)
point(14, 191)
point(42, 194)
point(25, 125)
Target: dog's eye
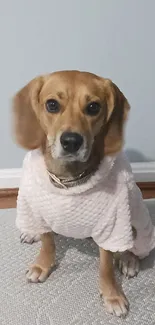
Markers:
point(92, 109)
point(52, 106)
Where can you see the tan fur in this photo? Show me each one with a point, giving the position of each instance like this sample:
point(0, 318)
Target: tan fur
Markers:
point(118, 108)
point(32, 124)
point(45, 261)
point(114, 298)
point(73, 90)
point(27, 128)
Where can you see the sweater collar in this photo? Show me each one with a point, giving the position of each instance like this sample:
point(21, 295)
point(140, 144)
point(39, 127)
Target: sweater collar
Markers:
point(71, 182)
point(93, 180)
point(42, 176)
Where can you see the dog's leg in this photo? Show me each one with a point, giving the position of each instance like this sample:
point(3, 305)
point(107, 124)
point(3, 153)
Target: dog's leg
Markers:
point(128, 264)
point(114, 299)
point(41, 269)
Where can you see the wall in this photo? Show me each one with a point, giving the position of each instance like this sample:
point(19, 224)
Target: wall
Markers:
point(112, 38)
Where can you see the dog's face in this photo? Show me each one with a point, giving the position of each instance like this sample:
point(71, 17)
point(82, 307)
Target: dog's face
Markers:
point(70, 109)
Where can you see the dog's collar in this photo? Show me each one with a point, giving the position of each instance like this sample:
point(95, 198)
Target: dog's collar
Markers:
point(70, 182)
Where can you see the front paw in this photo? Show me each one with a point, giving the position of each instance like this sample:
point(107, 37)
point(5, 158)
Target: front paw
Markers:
point(129, 264)
point(37, 273)
point(116, 304)
point(29, 239)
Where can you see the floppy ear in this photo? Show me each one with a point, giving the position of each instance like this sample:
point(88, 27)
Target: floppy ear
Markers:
point(117, 112)
point(27, 129)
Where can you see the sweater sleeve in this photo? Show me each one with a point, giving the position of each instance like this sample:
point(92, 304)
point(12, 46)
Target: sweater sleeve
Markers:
point(116, 235)
point(140, 218)
point(141, 221)
point(25, 217)
point(29, 219)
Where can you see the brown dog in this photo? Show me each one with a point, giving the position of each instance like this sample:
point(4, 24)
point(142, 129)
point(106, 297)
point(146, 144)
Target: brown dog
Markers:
point(77, 118)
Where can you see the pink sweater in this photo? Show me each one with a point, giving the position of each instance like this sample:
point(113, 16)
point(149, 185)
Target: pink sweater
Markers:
point(104, 208)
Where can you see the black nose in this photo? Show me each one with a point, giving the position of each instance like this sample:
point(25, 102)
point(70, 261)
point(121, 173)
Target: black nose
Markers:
point(71, 142)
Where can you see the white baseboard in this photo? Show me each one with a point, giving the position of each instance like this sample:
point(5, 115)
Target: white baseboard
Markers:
point(10, 178)
point(143, 172)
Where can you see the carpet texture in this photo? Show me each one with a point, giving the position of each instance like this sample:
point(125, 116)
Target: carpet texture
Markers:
point(70, 295)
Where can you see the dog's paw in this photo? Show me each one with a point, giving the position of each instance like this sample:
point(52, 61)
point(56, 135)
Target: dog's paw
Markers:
point(129, 264)
point(37, 274)
point(117, 305)
point(29, 239)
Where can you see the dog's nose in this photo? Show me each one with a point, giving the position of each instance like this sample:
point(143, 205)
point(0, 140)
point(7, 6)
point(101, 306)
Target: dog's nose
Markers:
point(71, 141)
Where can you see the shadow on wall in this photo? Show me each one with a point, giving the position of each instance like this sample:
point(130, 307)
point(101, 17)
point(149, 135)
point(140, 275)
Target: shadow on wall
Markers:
point(136, 156)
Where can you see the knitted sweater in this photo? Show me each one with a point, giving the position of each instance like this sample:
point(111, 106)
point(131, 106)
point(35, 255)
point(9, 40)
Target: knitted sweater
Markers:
point(104, 208)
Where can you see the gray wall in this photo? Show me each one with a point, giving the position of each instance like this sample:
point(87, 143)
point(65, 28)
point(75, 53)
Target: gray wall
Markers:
point(112, 38)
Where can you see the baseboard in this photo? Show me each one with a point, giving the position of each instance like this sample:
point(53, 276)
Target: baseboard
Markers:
point(10, 178)
point(147, 189)
point(8, 198)
point(143, 172)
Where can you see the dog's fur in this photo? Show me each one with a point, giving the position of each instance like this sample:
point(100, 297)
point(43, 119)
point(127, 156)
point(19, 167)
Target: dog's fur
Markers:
point(102, 135)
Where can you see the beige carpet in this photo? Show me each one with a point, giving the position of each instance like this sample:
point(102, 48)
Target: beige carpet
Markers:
point(70, 295)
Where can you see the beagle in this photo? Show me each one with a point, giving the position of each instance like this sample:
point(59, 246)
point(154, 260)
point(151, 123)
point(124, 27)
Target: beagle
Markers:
point(76, 119)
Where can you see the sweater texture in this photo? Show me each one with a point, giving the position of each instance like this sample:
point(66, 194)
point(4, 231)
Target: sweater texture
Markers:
point(105, 208)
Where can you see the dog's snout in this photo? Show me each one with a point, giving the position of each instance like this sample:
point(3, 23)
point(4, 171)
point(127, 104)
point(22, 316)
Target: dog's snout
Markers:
point(71, 141)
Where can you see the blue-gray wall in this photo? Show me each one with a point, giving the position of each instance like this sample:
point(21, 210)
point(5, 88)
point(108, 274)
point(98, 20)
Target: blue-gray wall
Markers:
point(112, 38)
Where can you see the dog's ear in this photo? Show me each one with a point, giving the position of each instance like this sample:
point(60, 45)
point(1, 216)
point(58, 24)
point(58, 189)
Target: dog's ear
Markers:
point(117, 112)
point(26, 125)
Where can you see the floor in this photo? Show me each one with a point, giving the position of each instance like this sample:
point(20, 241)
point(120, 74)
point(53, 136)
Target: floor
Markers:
point(70, 295)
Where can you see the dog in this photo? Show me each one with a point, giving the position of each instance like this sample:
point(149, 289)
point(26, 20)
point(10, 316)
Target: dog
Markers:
point(76, 119)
